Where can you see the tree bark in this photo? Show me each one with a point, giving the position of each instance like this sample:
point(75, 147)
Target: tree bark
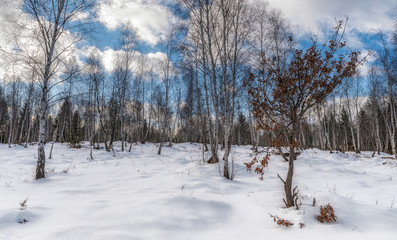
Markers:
point(40, 173)
point(288, 181)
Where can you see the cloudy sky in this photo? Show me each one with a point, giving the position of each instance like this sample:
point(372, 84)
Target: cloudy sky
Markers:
point(152, 19)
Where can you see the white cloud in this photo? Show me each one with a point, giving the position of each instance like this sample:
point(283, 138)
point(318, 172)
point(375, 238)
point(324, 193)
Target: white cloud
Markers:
point(19, 44)
point(149, 17)
point(80, 16)
point(109, 55)
point(10, 14)
point(365, 16)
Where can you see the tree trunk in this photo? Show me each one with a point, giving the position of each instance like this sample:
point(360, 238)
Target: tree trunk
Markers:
point(303, 141)
point(378, 141)
point(23, 125)
point(122, 135)
point(322, 131)
point(228, 144)
point(129, 150)
point(52, 147)
point(41, 151)
point(353, 138)
point(11, 132)
point(288, 181)
point(159, 151)
point(28, 134)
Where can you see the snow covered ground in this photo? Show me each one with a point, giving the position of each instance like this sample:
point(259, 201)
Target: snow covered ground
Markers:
point(140, 195)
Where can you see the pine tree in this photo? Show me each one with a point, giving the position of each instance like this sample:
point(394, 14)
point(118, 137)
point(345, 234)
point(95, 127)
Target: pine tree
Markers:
point(75, 134)
point(64, 119)
point(242, 130)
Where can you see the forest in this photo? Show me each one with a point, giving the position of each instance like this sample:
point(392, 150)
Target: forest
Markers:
point(197, 90)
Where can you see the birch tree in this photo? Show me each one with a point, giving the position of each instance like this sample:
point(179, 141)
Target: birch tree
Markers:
point(123, 76)
point(168, 76)
point(53, 22)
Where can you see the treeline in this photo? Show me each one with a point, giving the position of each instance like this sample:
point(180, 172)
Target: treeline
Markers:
point(74, 119)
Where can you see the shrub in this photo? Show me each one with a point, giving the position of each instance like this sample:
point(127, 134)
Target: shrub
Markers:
point(281, 222)
point(326, 214)
point(261, 165)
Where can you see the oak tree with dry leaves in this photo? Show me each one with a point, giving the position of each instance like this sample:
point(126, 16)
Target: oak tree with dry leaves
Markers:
point(281, 99)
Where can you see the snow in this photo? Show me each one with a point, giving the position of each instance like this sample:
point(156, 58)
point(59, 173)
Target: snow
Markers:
point(141, 195)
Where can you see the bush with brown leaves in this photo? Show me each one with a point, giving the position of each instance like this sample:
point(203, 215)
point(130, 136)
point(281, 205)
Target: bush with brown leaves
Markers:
point(280, 221)
point(260, 165)
point(326, 214)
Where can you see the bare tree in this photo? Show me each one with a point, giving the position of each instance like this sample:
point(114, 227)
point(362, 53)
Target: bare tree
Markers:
point(168, 76)
point(55, 29)
point(218, 33)
point(385, 61)
point(123, 77)
point(139, 97)
point(95, 76)
point(374, 97)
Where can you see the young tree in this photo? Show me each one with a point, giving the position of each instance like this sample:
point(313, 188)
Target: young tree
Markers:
point(281, 99)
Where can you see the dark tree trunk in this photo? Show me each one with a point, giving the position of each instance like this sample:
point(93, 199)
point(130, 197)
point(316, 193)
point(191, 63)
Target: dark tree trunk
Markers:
point(289, 195)
point(159, 151)
point(288, 181)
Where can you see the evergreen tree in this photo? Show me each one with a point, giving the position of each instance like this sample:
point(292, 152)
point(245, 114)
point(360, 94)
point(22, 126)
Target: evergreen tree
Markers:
point(64, 120)
point(75, 135)
point(242, 130)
